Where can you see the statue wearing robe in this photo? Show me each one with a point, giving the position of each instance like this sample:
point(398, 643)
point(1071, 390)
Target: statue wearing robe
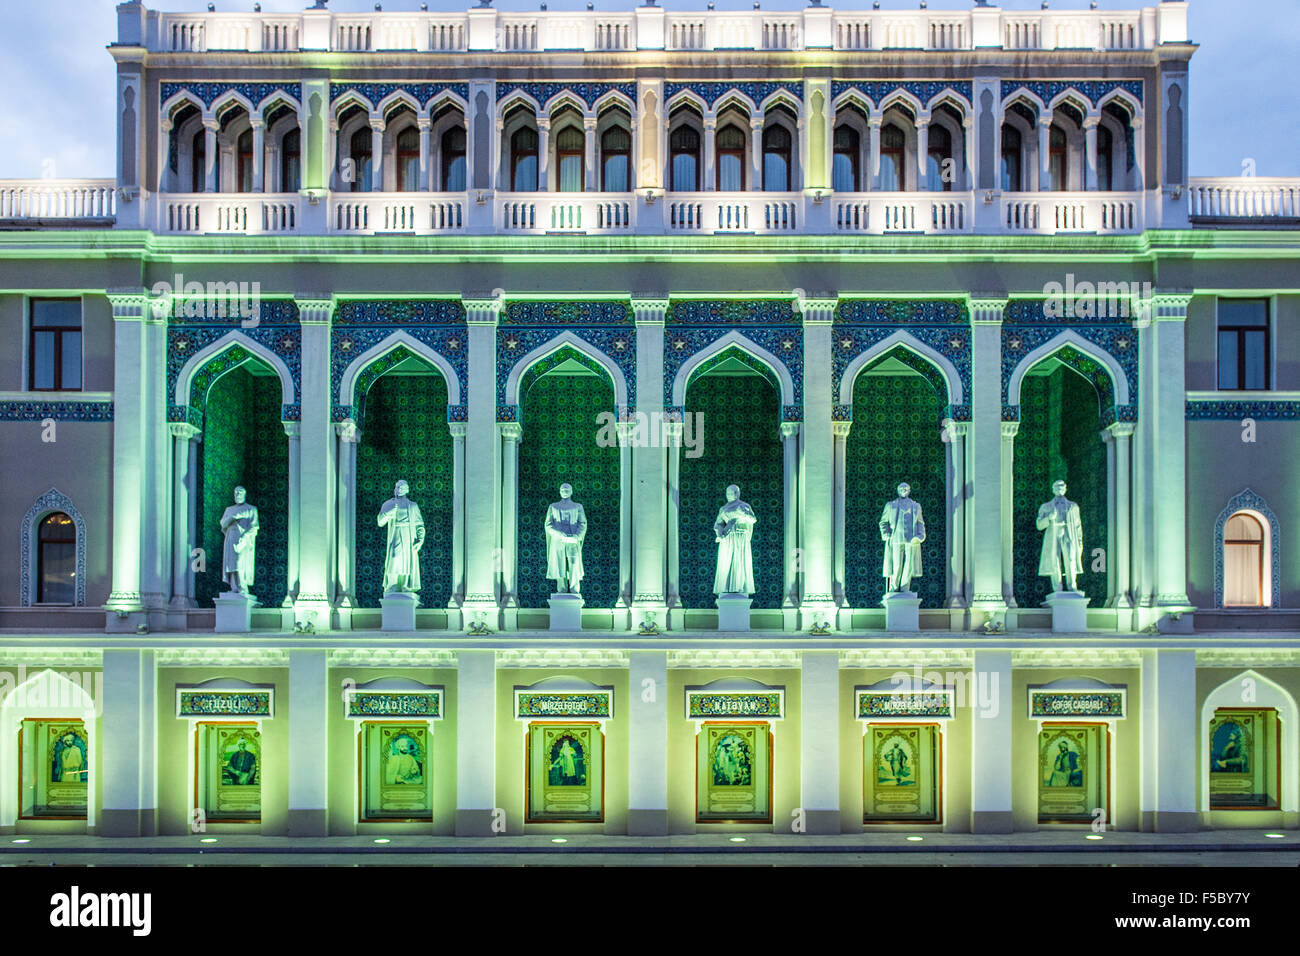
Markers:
point(902, 529)
point(733, 532)
point(566, 527)
point(239, 525)
point(401, 516)
point(1061, 558)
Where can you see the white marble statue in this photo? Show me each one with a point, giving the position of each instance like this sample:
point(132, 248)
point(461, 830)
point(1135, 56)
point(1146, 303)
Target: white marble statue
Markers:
point(1062, 557)
point(733, 531)
point(405, 526)
point(566, 527)
point(902, 528)
point(239, 525)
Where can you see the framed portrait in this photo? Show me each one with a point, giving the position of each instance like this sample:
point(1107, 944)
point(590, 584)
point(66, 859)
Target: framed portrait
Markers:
point(902, 773)
point(566, 773)
point(1244, 759)
point(396, 773)
point(1073, 773)
point(733, 772)
point(228, 769)
point(54, 769)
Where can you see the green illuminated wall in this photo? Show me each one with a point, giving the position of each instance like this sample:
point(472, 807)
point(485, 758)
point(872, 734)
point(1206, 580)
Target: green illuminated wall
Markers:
point(895, 437)
point(1059, 437)
point(405, 436)
point(559, 445)
point(742, 445)
point(244, 444)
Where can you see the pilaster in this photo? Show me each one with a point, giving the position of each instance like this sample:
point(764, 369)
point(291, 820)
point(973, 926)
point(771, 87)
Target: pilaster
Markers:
point(817, 492)
point(482, 462)
point(647, 738)
point(650, 463)
point(1169, 316)
point(988, 600)
point(316, 472)
point(990, 743)
point(308, 701)
point(128, 744)
point(476, 732)
point(819, 759)
point(125, 607)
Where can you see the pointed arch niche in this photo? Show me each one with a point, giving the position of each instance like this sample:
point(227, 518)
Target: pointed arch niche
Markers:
point(53, 502)
point(1247, 553)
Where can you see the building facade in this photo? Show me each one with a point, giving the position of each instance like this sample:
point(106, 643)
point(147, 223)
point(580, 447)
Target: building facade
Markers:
point(813, 253)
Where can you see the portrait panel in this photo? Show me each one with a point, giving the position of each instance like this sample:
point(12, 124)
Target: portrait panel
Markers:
point(1244, 758)
point(229, 769)
point(1073, 771)
point(901, 768)
point(54, 769)
point(734, 772)
point(396, 774)
point(565, 772)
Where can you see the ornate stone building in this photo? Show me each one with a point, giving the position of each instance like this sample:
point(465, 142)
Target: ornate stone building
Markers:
point(653, 253)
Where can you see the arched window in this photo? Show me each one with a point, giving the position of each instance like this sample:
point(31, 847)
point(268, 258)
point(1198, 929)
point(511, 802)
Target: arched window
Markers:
point(1243, 561)
point(56, 561)
point(615, 160)
point(453, 160)
point(569, 160)
point(731, 159)
point(939, 152)
point(776, 159)
point(360, 151)
point(1105, 159)
point(844, 165)
point(892, 149)
point(684, 159)
point(1011, 180)
point(523, 160)
point(244, 162)
point(291, 162)
point(1057, 166)
point(408, 160)
point(199, 153)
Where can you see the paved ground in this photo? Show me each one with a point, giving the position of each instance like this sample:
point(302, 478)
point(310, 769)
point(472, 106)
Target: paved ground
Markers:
point(1071, 848)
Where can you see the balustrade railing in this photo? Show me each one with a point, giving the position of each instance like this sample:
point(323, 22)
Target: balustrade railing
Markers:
point(1245, 197)
point(53, 199)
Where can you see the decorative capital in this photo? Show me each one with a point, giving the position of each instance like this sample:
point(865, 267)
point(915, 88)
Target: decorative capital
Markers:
point(129, 305)
point(790, 429)
point(841, 429)
point(986, 311)
point(315, 311)
point(1120, 429)
point(1168, 306)
point(816, 309)
point(292, 429)
point(510, 431)
point(348, 431)
point(484, 309)
point(650, 311)
point(183, 430)
point(1009, 430)
point(458, 429)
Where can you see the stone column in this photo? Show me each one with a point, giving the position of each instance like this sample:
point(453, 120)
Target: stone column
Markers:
point(184, 440)
point(425, 126)
point(1119, 437)
point(874, 123)
point(1144, 469)
point(922, 150)
point(840, 431)
point(650, 458)
point(458, 430)
point(1170, 723)
point(482, 526)
point(543, 154)
point(210, 127)
point(790, 447)
point(128, 742)
point(259, 153)
point(1008, 511)
point(511, 433)
point(1139, 155)
point(294, 432)
point(1090, 153)
point(156, 517)
point(316, 528)
point(591, 176)
point(985, 478)
point(1169, 313)
point(377, 126)
point(476, 731)
point(125, 608)
point(1045, 151)
point(346, 559)
point(991, 745)
point(819, 760)
point(647, 743)
point(308, 703)
point(626, 438)
point(969, 142)
point(709, 181)
point(331, 172)
point(756, 154)
point(955, 438)
point(817, 482)
point(673, 437)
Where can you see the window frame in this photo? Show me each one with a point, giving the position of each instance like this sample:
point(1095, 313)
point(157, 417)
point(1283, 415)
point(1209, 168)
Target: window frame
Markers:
point(517, 154)
point(579, 154)
point(402, 156)
point(1016, 154)
point(852, 152)
point(39, 596)
point(58, 331)
point(695, 154)
point(741, 153)
point(607, 154)
point(784, 153)
point(899, 153)
point(446, 156)
point(1257, 544)
point(1241, 330)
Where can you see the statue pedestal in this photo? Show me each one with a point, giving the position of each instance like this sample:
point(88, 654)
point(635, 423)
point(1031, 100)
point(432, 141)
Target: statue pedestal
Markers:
point(234, 612)
point(733, 612)
point(566, 612)
point(1069, 610)
point(902, 611)
point(398, 611)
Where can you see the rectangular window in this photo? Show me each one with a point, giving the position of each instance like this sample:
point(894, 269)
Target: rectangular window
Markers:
point(54, 354)
point(1244, 345)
